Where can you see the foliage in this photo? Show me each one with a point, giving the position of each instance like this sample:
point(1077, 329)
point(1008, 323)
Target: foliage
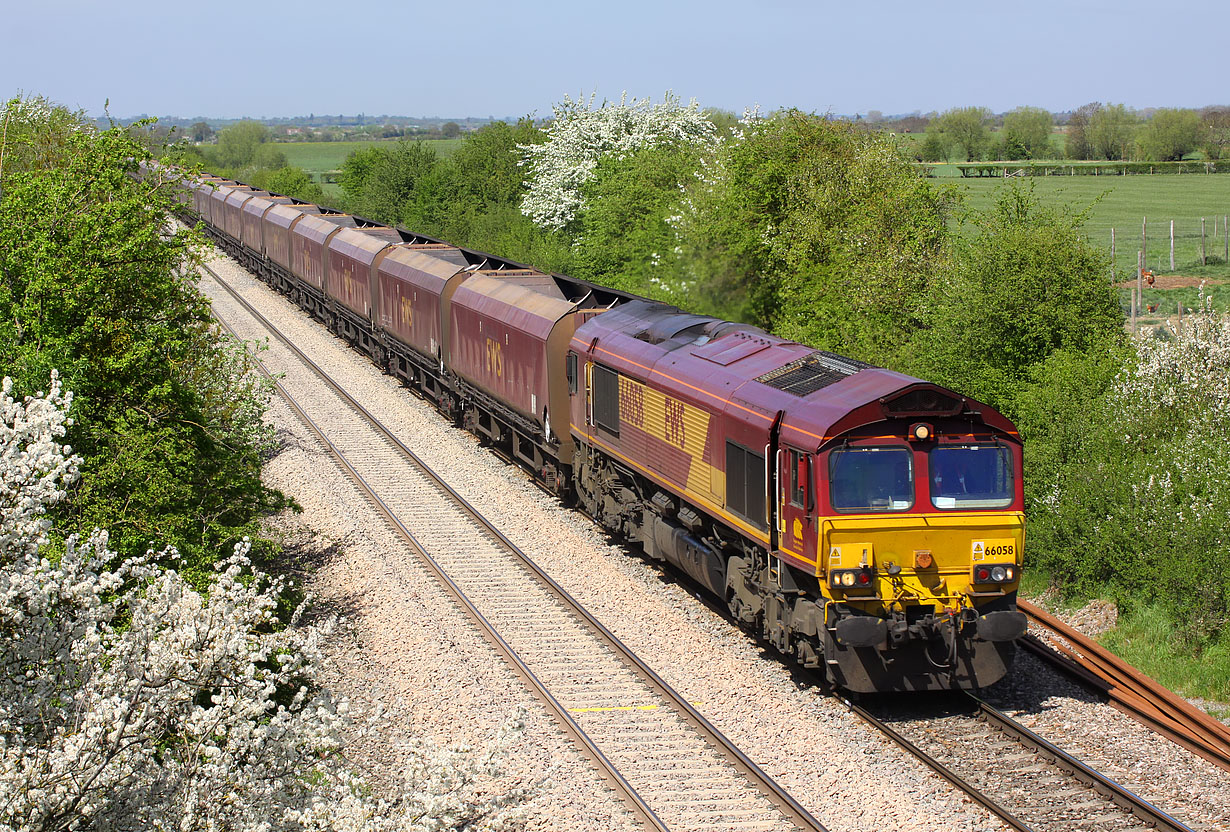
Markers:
point(1077, 142)
point(580, 136)
point(1025, 285)
point(967, 128)
point(1112, 131)
point(1216, 131)
point(239, 144)
point(627, 234)
point(817, 229)
point(93, 282)
point(1170, 134)
point(1136, 505)
point(200, 131)
point(381, 181)
point(934, 146)
point(288, 181)
point(1028, 131)
point(156, 707)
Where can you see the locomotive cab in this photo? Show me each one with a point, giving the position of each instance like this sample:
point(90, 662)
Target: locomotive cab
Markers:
point(918, 529)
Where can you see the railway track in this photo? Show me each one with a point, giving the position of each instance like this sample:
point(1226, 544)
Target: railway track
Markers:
point(674, 769)
point(1127, 689)
point(1026, 781)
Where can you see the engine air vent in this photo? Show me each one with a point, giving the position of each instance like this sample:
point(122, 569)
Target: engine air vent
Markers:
point(810, 373)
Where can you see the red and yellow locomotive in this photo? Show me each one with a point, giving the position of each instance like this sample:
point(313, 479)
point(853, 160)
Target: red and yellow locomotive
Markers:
point(863, 521)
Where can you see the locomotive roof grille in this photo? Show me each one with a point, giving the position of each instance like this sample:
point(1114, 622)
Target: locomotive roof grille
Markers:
point(810, 373)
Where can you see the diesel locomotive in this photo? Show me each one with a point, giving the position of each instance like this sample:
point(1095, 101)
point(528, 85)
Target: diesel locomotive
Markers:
point(864, 522)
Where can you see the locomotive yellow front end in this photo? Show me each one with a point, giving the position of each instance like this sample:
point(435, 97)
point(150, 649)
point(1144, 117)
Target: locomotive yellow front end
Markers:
point(920, 547)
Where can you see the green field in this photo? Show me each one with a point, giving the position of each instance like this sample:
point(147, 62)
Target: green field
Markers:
point(318, 157)
point(1125, 201)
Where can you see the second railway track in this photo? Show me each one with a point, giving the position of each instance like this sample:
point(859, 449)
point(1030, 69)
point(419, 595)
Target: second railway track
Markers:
point(676, 771)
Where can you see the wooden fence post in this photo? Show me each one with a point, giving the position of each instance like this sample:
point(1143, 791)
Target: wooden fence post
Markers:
point(1112, 256)
point(1202, 257)
point(1144, 242)
point(1172, 245)
point(1140, 285)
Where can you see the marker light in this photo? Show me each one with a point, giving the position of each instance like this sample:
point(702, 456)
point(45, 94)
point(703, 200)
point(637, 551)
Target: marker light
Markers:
point(995, 573)
point(852, 578)
point(921, 432)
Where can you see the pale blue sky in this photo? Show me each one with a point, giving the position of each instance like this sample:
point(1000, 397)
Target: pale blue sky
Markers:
point(481, 58)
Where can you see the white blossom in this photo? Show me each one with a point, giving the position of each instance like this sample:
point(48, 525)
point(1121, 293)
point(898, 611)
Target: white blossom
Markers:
point(580, 136)
point(128, 700)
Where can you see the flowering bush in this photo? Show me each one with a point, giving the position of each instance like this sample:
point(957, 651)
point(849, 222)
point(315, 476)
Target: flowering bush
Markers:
point(130, 701)
point(1132, 475)
point(580, 136)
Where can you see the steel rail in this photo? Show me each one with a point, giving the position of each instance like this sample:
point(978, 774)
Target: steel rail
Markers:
point(979, 797)
point(1131, 691)
point(1119, 795)
point(776, 795)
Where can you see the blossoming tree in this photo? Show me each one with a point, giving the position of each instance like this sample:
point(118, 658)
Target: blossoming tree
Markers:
point(581, 136)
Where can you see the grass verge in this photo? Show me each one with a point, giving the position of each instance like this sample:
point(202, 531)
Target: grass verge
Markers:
point(1145, 638)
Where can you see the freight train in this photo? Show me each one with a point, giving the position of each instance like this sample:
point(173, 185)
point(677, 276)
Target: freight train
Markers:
point(866, 523)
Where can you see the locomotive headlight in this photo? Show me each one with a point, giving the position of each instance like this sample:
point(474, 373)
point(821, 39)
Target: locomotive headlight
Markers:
point(999, 574)
point(847, 579)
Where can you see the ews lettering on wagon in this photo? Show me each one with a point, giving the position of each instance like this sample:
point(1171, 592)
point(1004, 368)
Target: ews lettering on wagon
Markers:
point(495, 358)
point(407, 313)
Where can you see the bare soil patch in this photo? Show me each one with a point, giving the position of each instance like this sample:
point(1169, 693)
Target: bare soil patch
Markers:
point(1174, 281)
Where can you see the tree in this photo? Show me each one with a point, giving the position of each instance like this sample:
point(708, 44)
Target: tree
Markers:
point(94, 283)
point(1216, 131)
point(818, 230)
point(627, 238)
point(1025, 283)
point(237, 144)
point(450, 130)
point(288, 181)
point(967, 128)
point(1112, 129)
point(1077, 143)
point(1171, 134)
point(580, 136)
point(381, 181)
point(200, 132)
point(1029, 129)
point(934, 148)
point(487, 167)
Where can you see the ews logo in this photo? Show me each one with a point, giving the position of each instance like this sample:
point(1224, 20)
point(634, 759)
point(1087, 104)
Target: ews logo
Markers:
point(407, 313)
